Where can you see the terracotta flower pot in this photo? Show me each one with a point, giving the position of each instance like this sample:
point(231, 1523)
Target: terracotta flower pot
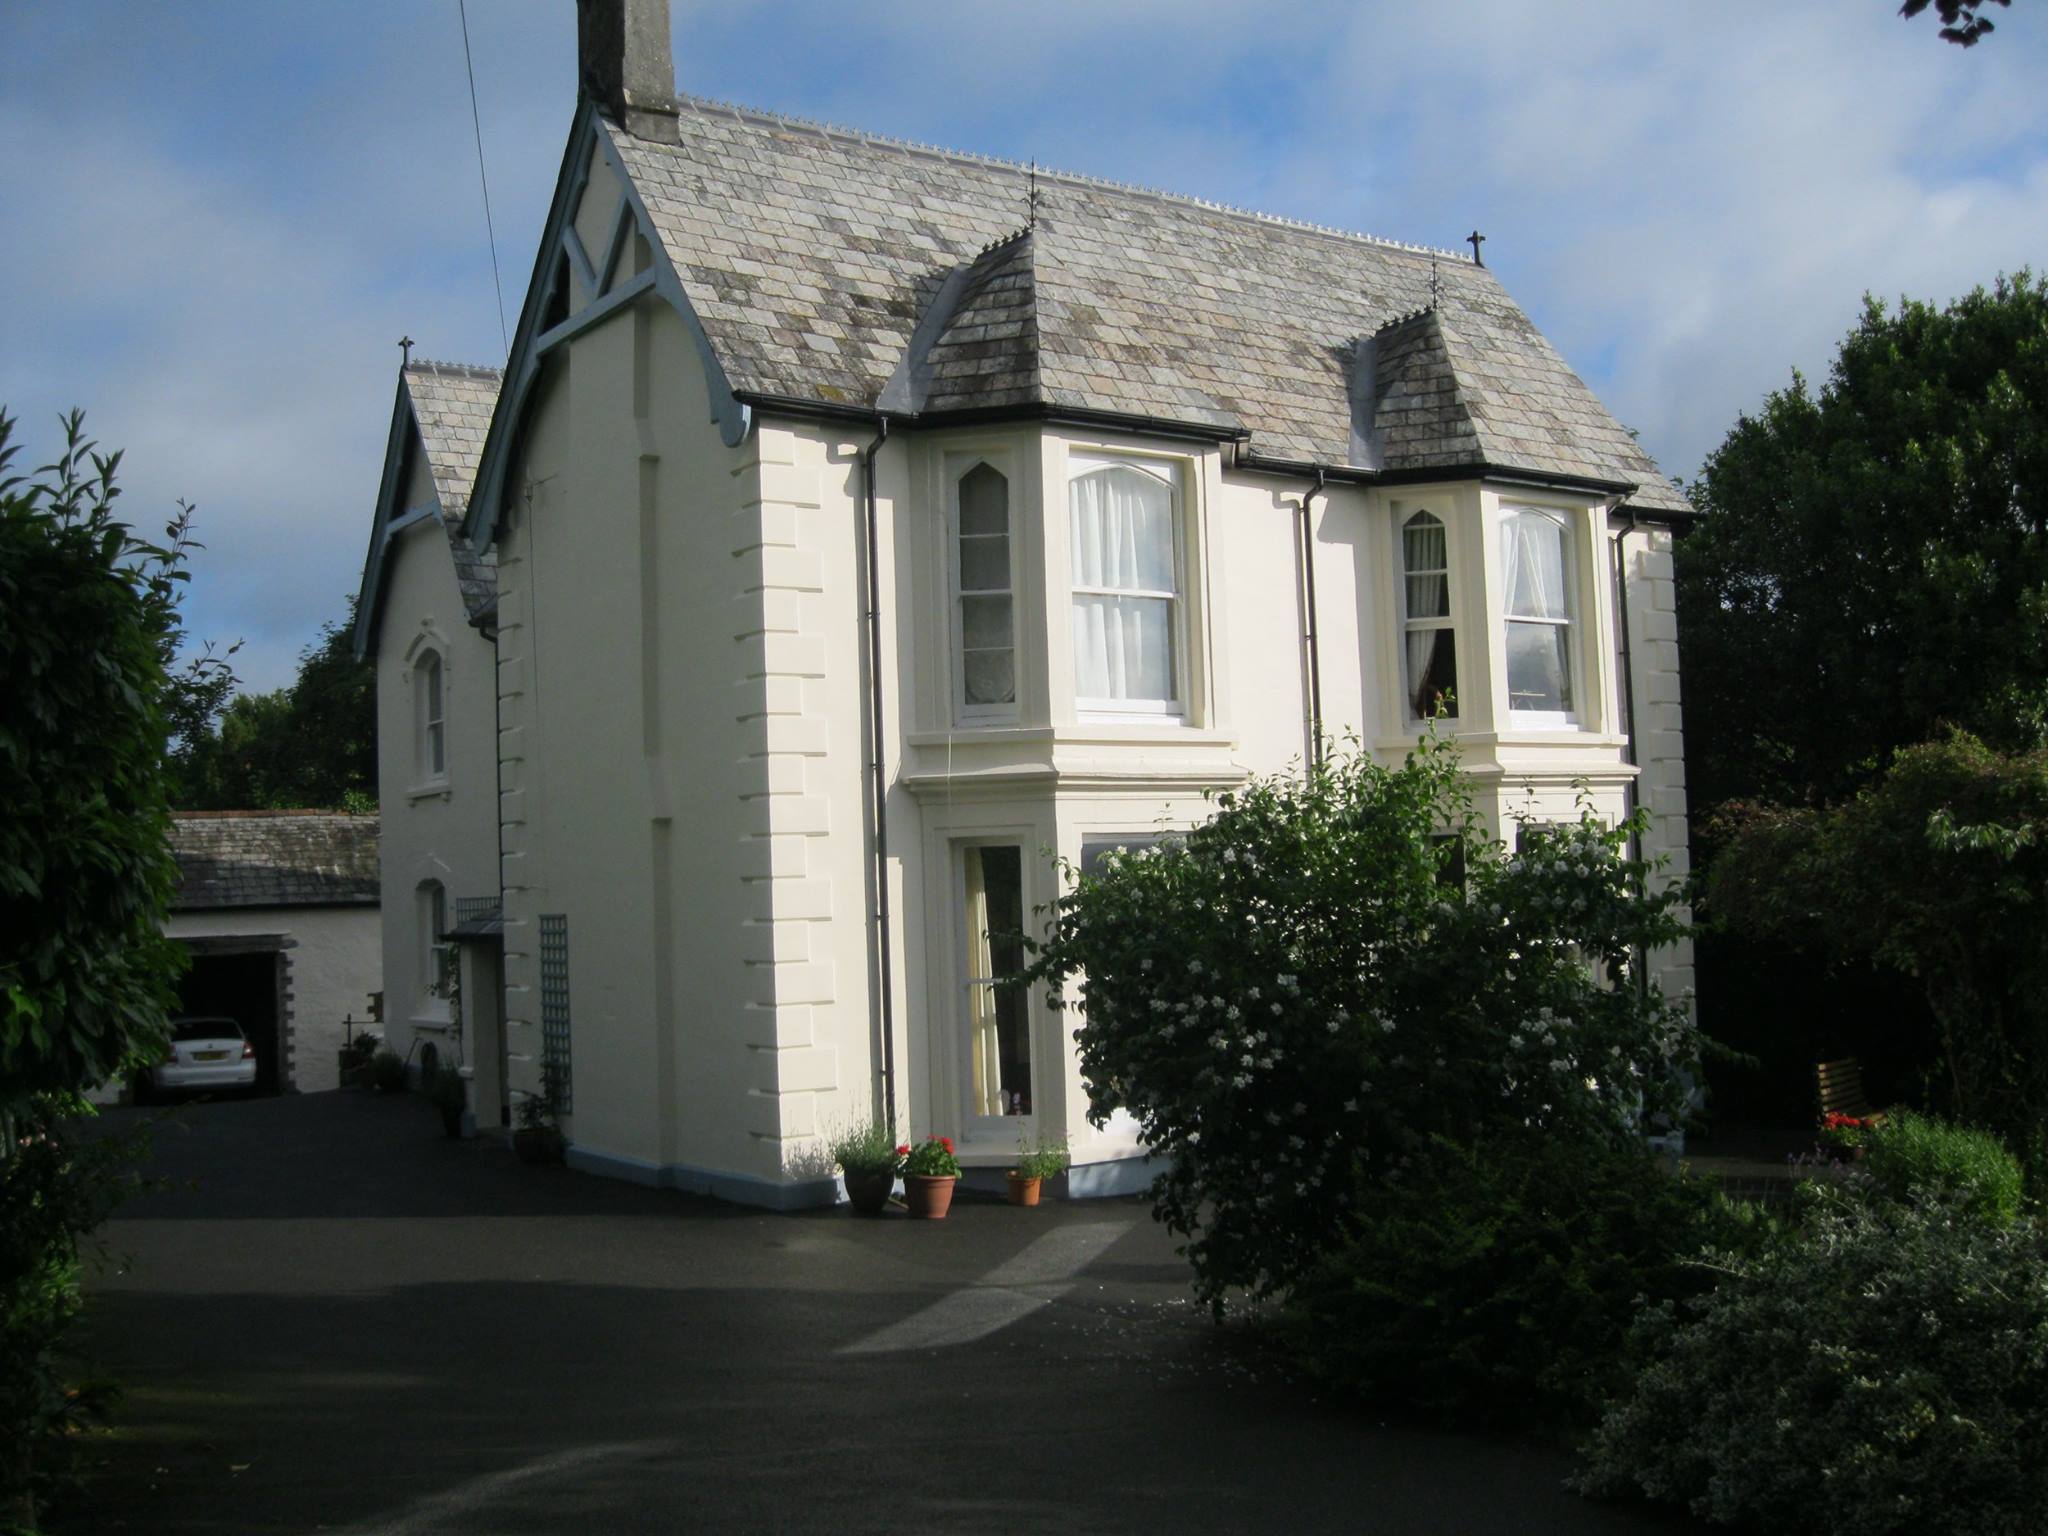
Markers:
point(868, 1192)
point(1023, 1191)
point(928, 1195)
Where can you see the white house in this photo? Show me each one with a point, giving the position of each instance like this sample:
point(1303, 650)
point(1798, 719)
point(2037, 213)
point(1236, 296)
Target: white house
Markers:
point(425, 615)
point(873, 522)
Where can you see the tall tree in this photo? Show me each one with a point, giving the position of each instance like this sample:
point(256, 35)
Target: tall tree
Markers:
point(1962, 21)
point(312, 744)
point(1873, 563)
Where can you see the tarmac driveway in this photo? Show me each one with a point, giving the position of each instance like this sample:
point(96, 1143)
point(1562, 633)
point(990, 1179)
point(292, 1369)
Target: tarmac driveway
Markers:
point(341, 1321)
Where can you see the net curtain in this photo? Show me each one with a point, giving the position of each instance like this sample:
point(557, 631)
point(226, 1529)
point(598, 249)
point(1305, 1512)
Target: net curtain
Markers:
point(1122, 527)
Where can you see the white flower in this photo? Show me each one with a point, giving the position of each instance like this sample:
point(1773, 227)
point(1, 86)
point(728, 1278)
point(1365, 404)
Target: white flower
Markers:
point(1300, 1108)
point(1194, 967)
point(1145, 964)
point(1386, 1026)
point(1230, 855)
point(1335, 1026)
point(1272, 1117)
point(1276, 1008)
point(1253, 995)
point(1351, 1106)
point(1231, 1012)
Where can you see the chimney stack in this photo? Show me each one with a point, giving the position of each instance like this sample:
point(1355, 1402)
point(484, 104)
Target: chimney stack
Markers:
point(624, 65)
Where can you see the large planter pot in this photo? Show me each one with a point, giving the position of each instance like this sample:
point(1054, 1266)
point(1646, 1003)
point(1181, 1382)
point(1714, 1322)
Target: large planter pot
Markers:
point(539, 1144)
point(868, 1193)
point(928, 1195)
point(1023, 1191)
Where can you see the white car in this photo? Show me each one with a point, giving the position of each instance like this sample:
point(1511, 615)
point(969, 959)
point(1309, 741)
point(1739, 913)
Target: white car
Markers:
point(208, 1052)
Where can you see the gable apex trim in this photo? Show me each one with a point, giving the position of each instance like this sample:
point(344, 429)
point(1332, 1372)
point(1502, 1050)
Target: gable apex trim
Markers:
point(589, 136)
point(402, 442)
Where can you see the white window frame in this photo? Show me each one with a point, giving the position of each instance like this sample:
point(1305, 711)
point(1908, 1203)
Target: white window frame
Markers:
point(964, 712)
point(978, 1127)
point(1410, 623)
point(430, 716)
point(1173, 711)
point(1546, 719)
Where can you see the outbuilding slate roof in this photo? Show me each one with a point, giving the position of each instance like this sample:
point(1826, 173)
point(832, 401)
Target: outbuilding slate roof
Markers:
point(273, 859)
point(452, 405)
point(811, 254)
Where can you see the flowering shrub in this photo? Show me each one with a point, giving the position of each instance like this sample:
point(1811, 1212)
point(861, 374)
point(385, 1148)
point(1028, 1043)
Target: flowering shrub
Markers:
point(1295, 997)
point(1881, 1368)
point(1843, 1132)
point(931, 1158)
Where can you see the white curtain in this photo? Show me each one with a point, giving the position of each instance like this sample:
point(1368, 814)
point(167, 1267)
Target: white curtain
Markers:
point(1532, 567)
point(1121, 522)
point(985, 1043)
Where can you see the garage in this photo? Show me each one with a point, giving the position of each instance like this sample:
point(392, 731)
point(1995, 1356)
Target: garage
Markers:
point(247, 978)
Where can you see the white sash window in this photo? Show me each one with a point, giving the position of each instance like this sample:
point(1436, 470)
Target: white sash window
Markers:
point(1429, 645)
point(1536, 582)
point(1124, 525)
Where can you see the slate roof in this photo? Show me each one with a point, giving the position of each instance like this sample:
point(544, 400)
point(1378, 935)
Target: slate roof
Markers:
point(452, 405)
point(273, 859)
point(812, 254)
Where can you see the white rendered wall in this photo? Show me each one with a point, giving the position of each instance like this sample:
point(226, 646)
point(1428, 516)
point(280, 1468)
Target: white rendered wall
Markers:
point(433, 829)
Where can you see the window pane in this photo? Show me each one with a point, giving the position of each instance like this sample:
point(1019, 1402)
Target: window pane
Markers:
point(999, 1037)
point(1423, 546)
point(984, 501)
point(990, 677)
point(1429, 597)
point(1539, 667)
point(1532, 566)
point(1123, 648)
point(985, 565)
point(984, 622)
point(1432, 670)
point(1122, 526)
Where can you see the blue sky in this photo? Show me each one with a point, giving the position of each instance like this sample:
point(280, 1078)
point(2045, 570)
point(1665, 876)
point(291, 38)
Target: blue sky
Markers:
point(222, 217)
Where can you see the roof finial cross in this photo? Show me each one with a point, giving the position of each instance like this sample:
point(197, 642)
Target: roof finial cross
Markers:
point(1031, 205)
point(1474, 239)
point(1436, 283)
point(405, 350)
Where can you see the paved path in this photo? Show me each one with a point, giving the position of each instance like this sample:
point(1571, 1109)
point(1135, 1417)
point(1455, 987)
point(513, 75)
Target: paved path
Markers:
point(340, 1321)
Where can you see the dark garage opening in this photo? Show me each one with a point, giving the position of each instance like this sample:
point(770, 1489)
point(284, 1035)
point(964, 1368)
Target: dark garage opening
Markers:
point(248, 987)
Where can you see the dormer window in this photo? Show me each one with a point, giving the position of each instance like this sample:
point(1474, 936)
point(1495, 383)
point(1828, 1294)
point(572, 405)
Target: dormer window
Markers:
point(430, 717)
point(1429, 644)
point(1123, 519)
point(985, 632)
point(1536, 582)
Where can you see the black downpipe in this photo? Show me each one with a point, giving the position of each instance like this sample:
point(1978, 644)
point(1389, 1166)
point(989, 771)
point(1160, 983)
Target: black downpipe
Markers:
point(1311, 644)
point(876, 767)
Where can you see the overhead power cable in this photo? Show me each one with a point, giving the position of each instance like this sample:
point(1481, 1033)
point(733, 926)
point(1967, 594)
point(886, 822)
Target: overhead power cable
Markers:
point(483, 177)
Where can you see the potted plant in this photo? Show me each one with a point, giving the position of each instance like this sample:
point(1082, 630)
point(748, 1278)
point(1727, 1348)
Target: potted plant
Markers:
point(929, 1172)
point(1047, 1160)
point(1845, 1134)
point(539, 1138)
point(867, 1154)
point(355, 1057)
point(448, 1095)
point(387, 1072)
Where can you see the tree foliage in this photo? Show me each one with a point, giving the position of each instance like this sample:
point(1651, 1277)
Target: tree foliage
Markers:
point(1294, 998)
point(1939, 871)
point(313, 744)
point(88, 620)
point(1873, 563)
point(1963, 22)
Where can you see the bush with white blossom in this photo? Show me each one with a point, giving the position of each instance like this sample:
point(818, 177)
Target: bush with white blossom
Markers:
point(1296, 995)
